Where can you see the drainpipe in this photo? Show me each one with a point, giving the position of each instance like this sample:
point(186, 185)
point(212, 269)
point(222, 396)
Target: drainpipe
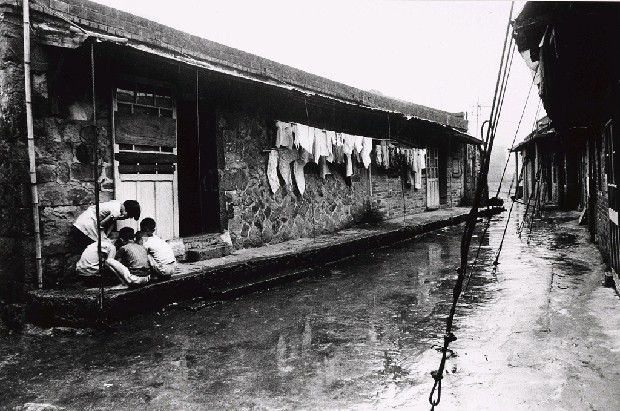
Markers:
point(31, 152)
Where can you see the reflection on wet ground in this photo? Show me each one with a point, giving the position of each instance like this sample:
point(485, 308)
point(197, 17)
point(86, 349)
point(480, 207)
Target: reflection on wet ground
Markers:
point(348, 336)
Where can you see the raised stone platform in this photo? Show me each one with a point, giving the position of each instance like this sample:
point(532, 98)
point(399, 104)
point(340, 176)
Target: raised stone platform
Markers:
point(240, 272)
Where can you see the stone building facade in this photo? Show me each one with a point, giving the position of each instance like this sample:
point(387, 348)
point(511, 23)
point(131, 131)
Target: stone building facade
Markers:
point(580, 92)
point(255, 215)
point(188, 124)
point(393, 197)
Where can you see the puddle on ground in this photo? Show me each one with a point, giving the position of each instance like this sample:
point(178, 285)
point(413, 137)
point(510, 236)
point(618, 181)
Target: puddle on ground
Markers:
point(329, 341)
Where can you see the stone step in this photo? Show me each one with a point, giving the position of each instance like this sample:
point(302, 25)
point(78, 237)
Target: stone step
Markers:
point(201, 240)
point(207, 252)
point(200, 247)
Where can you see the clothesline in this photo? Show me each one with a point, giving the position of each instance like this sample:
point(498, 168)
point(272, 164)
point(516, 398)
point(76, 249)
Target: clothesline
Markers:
point(297, 144)
point(374, 138)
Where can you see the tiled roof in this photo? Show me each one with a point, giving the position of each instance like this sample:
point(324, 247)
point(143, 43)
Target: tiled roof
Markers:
point(143, 32)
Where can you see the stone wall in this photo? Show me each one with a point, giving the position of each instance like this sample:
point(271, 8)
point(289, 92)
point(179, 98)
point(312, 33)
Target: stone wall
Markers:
point(255, 215)
point(62, 108)
point(16, 255)
point(65, 150)
point(391, 198)
point(602, 208)
point(388, 198)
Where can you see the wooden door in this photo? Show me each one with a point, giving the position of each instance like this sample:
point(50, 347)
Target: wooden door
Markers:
point(432, 179)
point(145, 153)
point(155, 193)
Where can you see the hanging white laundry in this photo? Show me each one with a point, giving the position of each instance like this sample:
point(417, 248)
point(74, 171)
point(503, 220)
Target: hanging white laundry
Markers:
point(386, 154)
point(279, 133)
point(379, 154)
point(331, 142)
point(410, 158)
point(304, 137)
point(300, 178)
point(366, 149)
point(422, 159)
point(417, 180)
point(349, 172)
point(321, 147)
point(358, 144)
point(417, 175)
point(297, 130)
point(312, 137)
point(284, 135)
point(331, 139)
point(349, 143)
point(285, 158)
point(272, 173)
point(339, 142)
point(415, 162)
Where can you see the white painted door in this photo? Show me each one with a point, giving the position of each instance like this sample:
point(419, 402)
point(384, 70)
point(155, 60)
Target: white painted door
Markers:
point(432, 179)
point(155, 193)
point(145, 157)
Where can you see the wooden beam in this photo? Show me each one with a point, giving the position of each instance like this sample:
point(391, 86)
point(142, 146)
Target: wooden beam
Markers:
point(146, 158)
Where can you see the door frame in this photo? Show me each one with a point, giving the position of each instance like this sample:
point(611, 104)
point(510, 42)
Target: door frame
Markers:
point(138, 80)
point(432, 178)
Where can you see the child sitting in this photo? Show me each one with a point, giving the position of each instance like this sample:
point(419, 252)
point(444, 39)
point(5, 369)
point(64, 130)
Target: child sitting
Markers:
point(87, 268)
point(160, 254)
point(125, 235)
point(134, 256)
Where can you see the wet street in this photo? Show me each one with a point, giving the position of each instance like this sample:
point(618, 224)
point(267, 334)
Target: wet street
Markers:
point(361, 334)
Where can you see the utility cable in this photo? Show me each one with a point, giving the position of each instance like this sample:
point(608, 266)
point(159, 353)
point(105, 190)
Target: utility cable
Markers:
point(474, 264)
point(536, 210)
point(465, 243)
point(501, 243)
point(504, 86)
point(512, 145)
point(536, 115)
point(527, 206)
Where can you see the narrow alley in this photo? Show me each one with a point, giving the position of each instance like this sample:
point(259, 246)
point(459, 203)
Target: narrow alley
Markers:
point(362, 333)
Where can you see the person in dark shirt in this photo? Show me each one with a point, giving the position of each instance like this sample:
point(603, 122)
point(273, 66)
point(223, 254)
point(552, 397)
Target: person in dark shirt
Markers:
point(134, 256)
point(125, 235)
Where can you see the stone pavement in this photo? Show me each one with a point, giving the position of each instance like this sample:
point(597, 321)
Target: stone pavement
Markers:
point(240, 272)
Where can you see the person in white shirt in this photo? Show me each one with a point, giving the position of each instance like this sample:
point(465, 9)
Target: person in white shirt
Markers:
point(87, 268)
point(161, 256)
point(85, 226)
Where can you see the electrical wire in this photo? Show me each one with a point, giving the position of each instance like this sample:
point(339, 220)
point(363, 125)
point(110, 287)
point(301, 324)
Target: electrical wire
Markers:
point(512, 145)
point(466, 238)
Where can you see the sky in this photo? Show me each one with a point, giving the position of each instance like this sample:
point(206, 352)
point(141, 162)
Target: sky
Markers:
point(441, 54)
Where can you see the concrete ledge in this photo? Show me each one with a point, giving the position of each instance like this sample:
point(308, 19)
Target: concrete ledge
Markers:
point(241, 272)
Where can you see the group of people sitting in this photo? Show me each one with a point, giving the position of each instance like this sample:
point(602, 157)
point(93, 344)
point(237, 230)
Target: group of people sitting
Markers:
point(135, 258)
